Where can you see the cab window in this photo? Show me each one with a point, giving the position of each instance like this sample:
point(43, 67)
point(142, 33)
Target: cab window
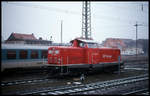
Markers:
point(82, 44)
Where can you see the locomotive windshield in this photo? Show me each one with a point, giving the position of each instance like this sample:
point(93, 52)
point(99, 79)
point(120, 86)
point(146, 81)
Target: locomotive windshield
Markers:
point(92, 45)
point(89, 45)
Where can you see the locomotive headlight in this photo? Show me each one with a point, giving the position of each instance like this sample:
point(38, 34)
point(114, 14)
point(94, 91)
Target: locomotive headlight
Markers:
point(56, 51)
point(50, 51)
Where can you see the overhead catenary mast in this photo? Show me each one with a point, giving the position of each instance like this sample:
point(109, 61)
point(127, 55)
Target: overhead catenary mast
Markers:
point(86, 20)
point(136, 26)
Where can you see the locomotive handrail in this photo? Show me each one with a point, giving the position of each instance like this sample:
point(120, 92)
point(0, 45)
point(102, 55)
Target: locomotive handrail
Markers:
point(61, 64)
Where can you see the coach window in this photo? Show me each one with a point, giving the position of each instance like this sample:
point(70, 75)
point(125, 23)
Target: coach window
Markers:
point(11, 54)
point(34, 54)
point(44, 54)
point(23, 54)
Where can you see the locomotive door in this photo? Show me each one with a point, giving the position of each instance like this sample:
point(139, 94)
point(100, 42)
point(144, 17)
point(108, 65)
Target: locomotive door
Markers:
point(92, 57)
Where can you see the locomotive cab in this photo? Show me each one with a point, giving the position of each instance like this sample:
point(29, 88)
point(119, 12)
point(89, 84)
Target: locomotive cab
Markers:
point(84, 43)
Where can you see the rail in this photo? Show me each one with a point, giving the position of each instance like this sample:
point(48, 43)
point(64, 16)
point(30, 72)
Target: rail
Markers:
point(140, 60)
point(18, 82)
point(136, 91)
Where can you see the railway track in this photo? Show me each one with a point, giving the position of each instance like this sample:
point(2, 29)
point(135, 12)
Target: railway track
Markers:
point(88, 87)
point(145, 93)
point(136, 92)
point(144, 69)
point(28, 81)
point(17, 82)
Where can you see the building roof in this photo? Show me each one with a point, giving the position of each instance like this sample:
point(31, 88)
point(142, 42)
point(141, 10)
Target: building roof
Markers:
point(114, 42)
point(23, 36)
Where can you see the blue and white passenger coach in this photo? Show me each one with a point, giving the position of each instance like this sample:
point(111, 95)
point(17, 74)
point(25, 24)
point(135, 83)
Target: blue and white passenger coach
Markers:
point(23, 55)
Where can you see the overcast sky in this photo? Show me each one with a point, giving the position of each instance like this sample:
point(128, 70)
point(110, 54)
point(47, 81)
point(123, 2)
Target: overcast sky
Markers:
point(108, 19)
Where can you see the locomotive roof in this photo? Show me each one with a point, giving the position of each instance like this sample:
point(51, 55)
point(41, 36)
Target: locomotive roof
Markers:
point(88, 41)
point(23, 46)
point(84, 40)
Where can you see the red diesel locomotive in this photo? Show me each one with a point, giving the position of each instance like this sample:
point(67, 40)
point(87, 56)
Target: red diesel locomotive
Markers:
point(82, 56)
